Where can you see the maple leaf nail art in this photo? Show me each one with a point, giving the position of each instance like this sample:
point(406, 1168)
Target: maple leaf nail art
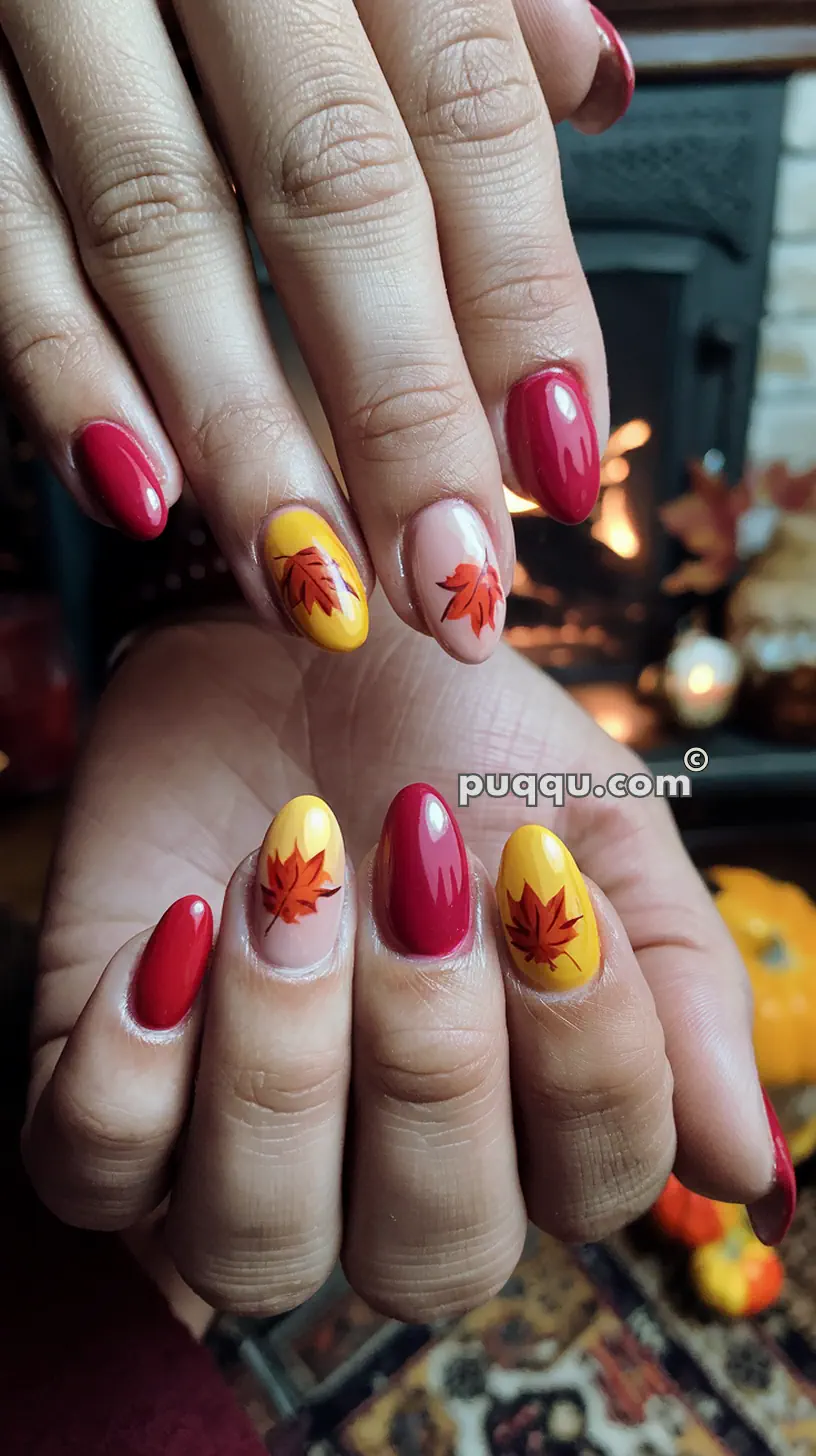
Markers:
point(457, 581)
point(541, 932)
point(546, 911)
point(317, 582)
point(299, 884)
point(476, 592)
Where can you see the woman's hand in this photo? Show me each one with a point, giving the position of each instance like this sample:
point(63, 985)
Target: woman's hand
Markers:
point(398, 164)
point(620, 1060)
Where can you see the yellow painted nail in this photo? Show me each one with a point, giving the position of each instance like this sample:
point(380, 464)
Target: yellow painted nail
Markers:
point(319, 584)
point(299, 884)
point(548, 919)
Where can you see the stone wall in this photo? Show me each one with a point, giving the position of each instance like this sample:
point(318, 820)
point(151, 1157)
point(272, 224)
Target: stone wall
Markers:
point(783, 422)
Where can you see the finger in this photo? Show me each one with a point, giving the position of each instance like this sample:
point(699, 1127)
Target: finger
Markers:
point(591, 1080)
point(467, 89)
point(103, 1122)
point(254, 1220)
point(63, 368)
point(582, 62)
point(342, 213)
point(435, 1218)
point(161, 239)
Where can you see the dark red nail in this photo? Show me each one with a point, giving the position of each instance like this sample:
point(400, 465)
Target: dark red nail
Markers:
point(115, 469)
point(611, 92)
point(553, 444)
point(772, 1216)
point(173, 964)
point(421, 878)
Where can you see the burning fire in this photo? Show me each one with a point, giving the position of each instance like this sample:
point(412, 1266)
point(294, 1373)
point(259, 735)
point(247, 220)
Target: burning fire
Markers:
point(614, 525)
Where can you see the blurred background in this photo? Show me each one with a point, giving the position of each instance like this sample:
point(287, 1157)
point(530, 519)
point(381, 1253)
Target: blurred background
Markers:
point(682, 614)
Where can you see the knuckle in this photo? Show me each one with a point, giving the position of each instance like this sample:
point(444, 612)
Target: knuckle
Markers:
point(34, 352)
point(419, 408)
point(437, 1069)
point(112, 1135)
point(245, 1281)
point(342, 158)
point(477, 91)
point(133, 208)
point(412, 1287)
point(236, 431)
point(293, 1087)
point(528, 291)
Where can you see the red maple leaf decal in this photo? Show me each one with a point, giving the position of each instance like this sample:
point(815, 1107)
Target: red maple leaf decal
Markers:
point(705, 520)
point(541, 932)
point(476, 592)
point(310, 580)
point(294, 886)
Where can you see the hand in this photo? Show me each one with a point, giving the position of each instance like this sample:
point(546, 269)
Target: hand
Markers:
point(208, 730)
point(398, 164)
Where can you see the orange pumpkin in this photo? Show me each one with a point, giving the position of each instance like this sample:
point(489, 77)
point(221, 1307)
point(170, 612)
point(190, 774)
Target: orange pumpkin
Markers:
point(774, 926)
point(738, 1276)
point(692, 1219)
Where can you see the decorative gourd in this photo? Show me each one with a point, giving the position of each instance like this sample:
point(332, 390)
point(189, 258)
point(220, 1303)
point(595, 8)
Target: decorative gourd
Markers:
point(774, 926)
point(690, 1218)
point(737, 1275)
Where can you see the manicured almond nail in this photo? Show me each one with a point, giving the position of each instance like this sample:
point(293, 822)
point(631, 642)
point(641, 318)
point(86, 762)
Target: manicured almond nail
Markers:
point(613, 87)
point(546, 912)
point(553, 444)
point(118, 472)
point(772, 1216)
point(172, 965)
point(421, 876)
point(456, 579)
point(299, 884)
point(317, 581)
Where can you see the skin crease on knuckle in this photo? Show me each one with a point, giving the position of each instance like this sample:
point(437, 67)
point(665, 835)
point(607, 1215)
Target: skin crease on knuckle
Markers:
point(477, 92)
point(423, 409)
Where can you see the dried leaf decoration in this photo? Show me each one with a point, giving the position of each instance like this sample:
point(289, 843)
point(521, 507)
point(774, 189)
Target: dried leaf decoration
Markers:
point(294, 886)
point(541, 932)
point(705, 520)
point(310, 580)
point(476, 592)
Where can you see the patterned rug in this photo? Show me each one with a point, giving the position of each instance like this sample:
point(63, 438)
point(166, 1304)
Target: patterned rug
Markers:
point(601, 1351)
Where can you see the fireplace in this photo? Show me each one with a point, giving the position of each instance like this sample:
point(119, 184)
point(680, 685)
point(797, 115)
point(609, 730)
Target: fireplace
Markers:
point(672, 212)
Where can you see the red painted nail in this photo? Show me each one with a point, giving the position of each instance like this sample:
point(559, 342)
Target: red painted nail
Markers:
point(117, 471)
point(553, 444)
point(772, 1216)
point(611, 92)
point(421, 877)
point(173, 964)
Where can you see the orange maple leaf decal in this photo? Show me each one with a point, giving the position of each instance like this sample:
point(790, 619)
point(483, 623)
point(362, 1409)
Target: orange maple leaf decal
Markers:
point(541, 932)
point(310, 580)
point(705, 520)
point(295, 885)
point(476, 591)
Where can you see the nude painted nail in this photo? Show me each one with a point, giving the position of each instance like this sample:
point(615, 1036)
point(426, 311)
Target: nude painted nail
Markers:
point(299, 885)
point(317, 581)
point(613, 87)
point(546, 912)
point(456, 579)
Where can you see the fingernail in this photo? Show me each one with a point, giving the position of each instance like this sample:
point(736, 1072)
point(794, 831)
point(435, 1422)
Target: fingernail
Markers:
point(613, 87)
point(456, 579)
point(299, 886)
point(546, 912)
point(553, 444)
point(317, 581)
point(772, 1216)
point(172, 965)
point(117, 471)
point(421, 876)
